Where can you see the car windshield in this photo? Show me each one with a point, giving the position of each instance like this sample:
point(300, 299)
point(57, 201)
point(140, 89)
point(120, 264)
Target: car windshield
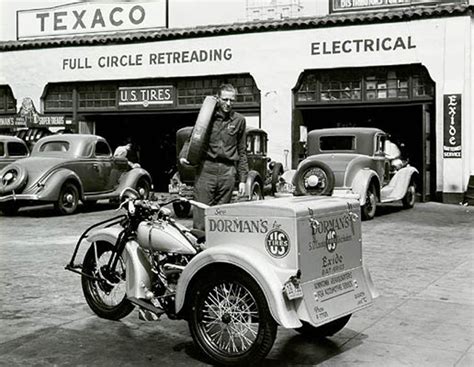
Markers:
point(55, 146)
point(339, 142)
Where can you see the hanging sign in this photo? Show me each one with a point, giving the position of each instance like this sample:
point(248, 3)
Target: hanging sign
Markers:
point(452, 126)
point(91, 18)
point(146, 96)
point(351, 5)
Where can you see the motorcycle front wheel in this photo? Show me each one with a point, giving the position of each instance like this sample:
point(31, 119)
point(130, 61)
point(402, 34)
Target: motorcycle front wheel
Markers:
point(229, 319)
point(107, 296)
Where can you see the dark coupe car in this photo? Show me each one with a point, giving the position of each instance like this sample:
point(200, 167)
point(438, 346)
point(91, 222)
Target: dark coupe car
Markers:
point(64, 169)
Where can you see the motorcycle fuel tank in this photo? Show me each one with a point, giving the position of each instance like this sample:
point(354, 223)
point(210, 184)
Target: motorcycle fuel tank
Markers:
point(161, 236)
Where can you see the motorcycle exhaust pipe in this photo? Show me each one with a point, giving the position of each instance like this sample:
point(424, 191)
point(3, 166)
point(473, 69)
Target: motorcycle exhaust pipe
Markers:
point(173, 267)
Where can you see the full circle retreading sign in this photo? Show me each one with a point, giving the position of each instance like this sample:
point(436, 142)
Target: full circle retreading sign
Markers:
point(277, 243)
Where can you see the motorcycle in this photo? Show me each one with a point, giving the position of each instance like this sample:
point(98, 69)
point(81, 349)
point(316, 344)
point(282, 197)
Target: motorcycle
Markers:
point(251, 271)
point(138, 264)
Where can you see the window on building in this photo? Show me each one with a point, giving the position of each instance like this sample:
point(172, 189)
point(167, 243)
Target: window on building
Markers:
point(58, 98)
point(7, 101)
point(97, 96)
point(365, 85)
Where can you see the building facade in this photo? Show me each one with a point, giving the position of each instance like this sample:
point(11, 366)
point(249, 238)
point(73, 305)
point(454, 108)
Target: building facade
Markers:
point(407, 70)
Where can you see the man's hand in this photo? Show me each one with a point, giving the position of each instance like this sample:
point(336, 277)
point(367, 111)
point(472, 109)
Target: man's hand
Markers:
point(241, 188)
point(184, 161)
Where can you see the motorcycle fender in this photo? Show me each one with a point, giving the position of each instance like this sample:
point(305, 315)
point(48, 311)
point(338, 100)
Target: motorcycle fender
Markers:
point(269, 277)
point(138, 267)
point(400, 182)
point(361, 183)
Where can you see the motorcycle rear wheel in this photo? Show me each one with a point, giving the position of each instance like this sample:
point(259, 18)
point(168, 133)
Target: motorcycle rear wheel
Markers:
point(107, 298)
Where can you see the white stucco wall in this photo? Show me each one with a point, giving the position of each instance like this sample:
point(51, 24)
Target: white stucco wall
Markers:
point(275, 60)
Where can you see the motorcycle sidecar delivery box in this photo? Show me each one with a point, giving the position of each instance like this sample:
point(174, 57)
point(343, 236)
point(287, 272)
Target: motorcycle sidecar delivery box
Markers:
point(304, 253)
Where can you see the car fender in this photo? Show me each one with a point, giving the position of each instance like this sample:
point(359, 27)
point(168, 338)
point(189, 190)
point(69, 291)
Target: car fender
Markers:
point(400, 181)
point(252, 176)
point(361, 182)
point(54, 182)
point(269, 277)
point(130, 178)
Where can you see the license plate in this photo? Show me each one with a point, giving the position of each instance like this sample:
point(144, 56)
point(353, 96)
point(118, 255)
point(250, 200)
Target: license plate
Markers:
point(293, 291)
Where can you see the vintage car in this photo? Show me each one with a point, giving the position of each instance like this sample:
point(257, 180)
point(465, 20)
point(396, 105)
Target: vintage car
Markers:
point(353, 162)
point(64, 169)
point(263, 177)
point(12, 149)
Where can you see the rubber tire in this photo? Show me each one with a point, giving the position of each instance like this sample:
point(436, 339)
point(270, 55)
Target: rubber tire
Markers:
point(107, 312)
point(145, 185)
point(369, 208)
point(182, 209)
point(408, 200)
point(277, 171)
point(322, 331)
point(18, 184)
point(298, 181)
point(256, 192)
point(267, 326)
point(201, 130)
point(60, 206)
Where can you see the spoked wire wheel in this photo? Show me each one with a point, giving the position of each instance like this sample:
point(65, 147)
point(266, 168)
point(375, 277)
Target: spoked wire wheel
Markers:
point(105, 295)
point(230, 320)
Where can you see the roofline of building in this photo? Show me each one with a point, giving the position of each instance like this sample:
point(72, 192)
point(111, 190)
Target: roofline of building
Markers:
point(332, 20)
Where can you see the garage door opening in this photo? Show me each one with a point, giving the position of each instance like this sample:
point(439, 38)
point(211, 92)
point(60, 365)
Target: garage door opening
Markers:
point(155, 136)
point(409, 127)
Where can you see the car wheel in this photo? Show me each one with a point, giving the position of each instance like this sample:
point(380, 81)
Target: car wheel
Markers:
point(68, 199)
point(408, 200)
point(322, 331)
point(229, 319)
point(182, 209)
point(13, 179)
point(370, 206)
point(200, 131)
point(314, 178)
point(143, 188)
point(256, 192)
point(277, 171)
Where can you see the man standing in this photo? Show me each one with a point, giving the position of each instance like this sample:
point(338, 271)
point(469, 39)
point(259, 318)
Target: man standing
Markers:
point(224, 157)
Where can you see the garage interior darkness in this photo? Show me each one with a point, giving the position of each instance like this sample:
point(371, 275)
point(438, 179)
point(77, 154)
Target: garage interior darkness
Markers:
point(408, 126)
point(154, 134)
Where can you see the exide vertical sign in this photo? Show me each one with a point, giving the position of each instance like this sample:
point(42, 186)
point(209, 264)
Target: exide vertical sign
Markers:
point(452, 126)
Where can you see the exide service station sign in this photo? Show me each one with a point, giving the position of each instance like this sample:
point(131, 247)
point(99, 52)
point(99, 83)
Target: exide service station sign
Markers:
point(91, 18)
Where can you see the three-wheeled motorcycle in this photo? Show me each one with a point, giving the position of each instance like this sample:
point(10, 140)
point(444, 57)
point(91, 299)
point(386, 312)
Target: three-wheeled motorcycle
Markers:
point(294, 262)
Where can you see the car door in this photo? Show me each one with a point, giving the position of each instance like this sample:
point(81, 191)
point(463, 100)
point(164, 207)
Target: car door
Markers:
point(382, 164)
point(102, 165)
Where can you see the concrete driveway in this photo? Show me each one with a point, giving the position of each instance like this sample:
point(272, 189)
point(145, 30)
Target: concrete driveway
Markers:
point(421, 261)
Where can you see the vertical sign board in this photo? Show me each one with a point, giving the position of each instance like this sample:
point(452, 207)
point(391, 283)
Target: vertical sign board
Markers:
point(452, 126)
